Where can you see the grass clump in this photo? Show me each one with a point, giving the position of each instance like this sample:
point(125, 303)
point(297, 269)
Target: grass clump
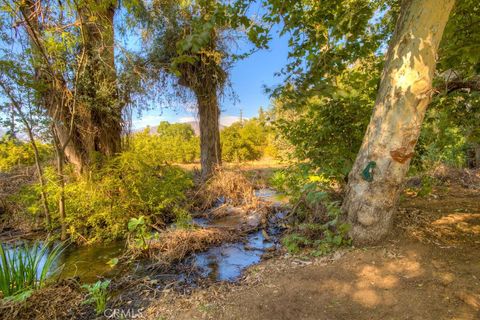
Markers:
point(175, 244)
point(26, 267)
point(227, 186)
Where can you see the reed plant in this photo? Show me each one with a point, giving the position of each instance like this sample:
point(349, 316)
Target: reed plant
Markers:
point(27, 266)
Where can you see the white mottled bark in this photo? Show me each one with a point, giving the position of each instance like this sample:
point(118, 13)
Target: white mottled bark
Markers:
point(404, 94)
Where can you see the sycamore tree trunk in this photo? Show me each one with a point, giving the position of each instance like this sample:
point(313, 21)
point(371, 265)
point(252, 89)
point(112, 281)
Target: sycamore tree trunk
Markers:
point(209, 114)
point(375, 182)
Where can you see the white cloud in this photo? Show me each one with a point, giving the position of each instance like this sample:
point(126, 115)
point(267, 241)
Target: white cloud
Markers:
point(149, 120)
point(154, 120)
point(227, 120)
point(186, 119)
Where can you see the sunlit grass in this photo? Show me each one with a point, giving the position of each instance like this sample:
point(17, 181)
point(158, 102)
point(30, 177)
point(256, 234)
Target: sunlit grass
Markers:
point(26, 267)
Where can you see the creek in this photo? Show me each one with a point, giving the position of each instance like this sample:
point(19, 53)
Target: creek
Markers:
point(224, 262)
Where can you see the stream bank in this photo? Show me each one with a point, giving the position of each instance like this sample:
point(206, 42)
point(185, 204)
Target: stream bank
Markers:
point(257, 237)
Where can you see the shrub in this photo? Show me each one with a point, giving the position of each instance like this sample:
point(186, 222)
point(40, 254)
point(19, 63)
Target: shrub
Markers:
point(247, 141)
point(316, 218)
point(326, 128)
point(14, 153)
point(173, 143)
point(99, 205)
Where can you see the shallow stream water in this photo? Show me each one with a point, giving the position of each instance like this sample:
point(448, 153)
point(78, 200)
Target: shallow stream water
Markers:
point(225, 262)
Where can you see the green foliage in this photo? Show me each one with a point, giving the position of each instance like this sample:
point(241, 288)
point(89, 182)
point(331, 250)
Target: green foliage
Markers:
point(112, 262)
point(246, 141)
point(316, 221)
point(137, 228)
point(174, 143)
point(450, 127)
point(327, 128)
point(15, 153)
point(183, 219)
point(322, 238)
point(336, 54)
point(326, 37)
point(26, 267)
point(294, 242)
point(100, 205)
point(461, 40)
point(98, 295)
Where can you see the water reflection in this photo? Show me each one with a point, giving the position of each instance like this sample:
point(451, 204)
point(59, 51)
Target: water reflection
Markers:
point(226, 262)
point(87, 262)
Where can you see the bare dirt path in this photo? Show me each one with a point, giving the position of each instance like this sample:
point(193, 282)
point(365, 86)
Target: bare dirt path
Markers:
point(428, 269)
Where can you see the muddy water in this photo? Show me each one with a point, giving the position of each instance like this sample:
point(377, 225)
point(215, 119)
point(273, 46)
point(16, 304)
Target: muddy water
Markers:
point(272, 196)
point(90, 262)
point(222, 263)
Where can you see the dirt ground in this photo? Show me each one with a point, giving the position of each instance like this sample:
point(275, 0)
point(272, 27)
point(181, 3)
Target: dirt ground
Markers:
point(429, 268)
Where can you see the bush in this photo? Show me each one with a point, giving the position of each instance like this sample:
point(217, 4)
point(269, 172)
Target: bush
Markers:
point(247, 141)
point(173, 143)
point(100, 204)
point(315, 220)
point(14, 153)
point(326, 128)
point(450, 127)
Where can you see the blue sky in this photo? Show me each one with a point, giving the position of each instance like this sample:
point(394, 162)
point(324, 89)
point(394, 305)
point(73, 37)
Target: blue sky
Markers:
point(248, 78)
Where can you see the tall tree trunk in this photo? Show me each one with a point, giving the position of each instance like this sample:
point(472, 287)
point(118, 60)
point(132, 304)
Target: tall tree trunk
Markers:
point(97, 121)
point(209, 113)
point(16, 106)
point(376, 179)
point(476, 155)
point(98, 85)
point(53, 87)
point(60, 162)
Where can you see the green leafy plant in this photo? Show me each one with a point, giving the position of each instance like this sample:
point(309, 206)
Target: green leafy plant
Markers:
point(26, 267)
point(139, 233)
point(247, 141)
point(172, 143)
point(183, 219)
point(98, 295)
point(315, 219)
point(99, 205)
point(112, 262)
point(293, 242)
point(15, 152)
point(322, 238)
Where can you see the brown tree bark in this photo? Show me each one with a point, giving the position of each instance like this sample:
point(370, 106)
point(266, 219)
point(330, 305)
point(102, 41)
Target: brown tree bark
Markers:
point(376, 179)
point(476, 151)
point(206, 78)
point(98, 85)
point(16, 105)
point(97, 121)
point(210, 148)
